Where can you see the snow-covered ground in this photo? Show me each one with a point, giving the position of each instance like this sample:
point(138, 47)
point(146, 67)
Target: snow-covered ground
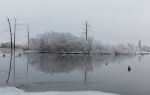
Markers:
point(143, 52)
point(15, 91)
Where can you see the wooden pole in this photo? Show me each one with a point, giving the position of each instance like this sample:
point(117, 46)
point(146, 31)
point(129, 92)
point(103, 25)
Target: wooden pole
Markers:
point(86, 30)
point(28, 35)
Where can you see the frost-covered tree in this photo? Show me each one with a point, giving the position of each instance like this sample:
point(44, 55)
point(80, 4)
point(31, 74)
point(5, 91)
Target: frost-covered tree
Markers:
point(60, 43)
point(67, 43)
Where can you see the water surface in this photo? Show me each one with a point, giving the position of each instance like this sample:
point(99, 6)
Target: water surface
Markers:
point(124, 74)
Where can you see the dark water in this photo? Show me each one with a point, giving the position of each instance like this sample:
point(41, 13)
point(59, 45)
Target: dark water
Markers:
point(125, 75)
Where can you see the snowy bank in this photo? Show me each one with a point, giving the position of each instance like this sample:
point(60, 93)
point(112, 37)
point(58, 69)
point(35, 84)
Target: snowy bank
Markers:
point(15, 91)
point(143, 52)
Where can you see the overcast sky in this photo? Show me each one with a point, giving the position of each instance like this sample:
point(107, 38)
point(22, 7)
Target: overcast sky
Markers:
point(111, 21)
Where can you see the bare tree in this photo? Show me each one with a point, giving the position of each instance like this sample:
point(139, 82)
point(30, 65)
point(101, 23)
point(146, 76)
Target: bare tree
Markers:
point(15, 35)
point(10, 30)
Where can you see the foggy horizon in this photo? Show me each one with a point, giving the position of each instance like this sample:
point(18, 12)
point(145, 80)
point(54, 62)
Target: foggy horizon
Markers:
point(111, 22)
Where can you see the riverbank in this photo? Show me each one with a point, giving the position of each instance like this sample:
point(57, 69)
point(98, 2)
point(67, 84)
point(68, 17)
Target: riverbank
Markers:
point(136, 53)
point(15, 91)
point(7, 50)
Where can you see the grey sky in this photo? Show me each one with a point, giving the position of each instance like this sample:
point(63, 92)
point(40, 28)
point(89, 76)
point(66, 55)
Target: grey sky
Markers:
point(111, 21)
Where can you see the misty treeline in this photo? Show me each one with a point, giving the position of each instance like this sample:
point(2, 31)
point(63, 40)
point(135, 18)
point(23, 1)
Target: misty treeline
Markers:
point(68, 43)
point(61, 43)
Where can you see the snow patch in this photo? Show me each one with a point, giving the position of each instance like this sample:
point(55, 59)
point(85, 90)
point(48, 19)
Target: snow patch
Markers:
point(15, 91)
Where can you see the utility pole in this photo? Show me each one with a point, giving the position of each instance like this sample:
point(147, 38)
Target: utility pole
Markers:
point(86, 36)
point(28, 35)
point(86, 30)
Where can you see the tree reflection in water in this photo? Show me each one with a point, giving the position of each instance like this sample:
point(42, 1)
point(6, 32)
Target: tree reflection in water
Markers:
point(66, 63)
point(10, 67)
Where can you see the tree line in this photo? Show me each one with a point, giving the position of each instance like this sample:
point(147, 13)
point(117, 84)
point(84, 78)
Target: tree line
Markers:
point(55, 42)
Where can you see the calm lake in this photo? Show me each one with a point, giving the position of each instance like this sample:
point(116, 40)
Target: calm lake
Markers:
point(121, 74)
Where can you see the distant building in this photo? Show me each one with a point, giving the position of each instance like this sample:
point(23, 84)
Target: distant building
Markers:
point(139, 45)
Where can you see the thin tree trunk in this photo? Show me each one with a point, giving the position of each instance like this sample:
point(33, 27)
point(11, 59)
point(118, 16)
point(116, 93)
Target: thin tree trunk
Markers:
point(11, 50)
point(15, 35)
point(10, 33)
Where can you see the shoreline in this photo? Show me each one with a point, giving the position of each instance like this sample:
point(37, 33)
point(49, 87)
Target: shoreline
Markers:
point(136, 53)
point(7, 50)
